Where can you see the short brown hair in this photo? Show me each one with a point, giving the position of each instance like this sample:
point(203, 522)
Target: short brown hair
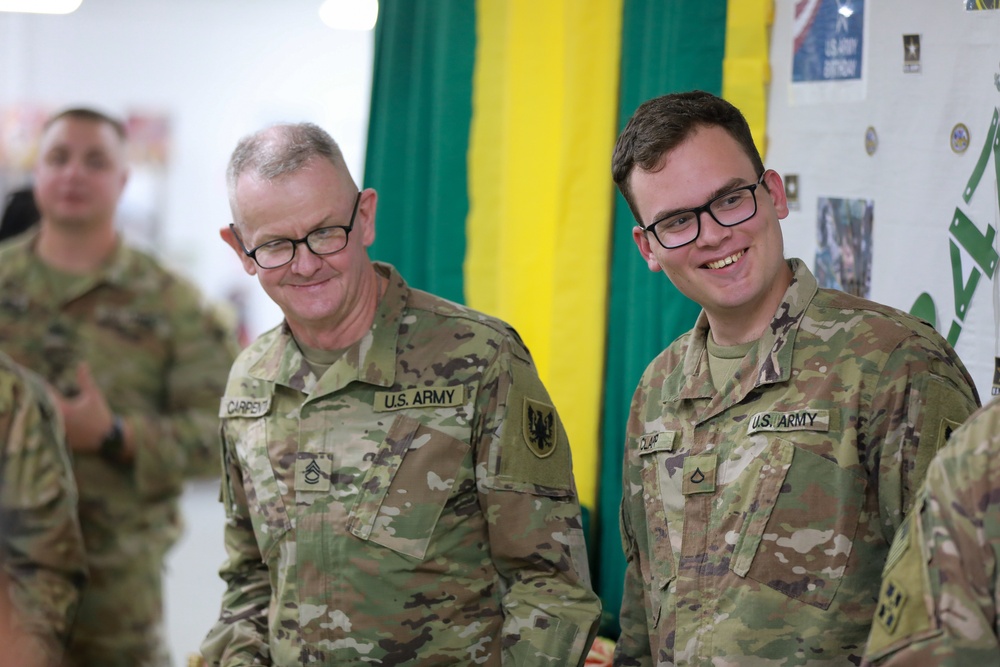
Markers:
point(92, 115)
point(661, 124)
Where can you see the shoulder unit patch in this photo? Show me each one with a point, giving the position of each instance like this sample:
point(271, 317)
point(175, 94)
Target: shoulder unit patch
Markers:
point(539, 427)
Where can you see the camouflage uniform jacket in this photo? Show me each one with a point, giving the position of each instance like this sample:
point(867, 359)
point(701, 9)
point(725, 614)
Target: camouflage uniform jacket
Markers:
point(41, 549)
point(414, 505)
point(940, 588)
point(161, 359)
point(756, 520)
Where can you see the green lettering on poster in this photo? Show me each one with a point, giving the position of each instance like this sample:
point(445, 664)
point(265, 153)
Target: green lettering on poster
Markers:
point(990, 145)
point(953, 333)
point(977, 244)
point(963, 292)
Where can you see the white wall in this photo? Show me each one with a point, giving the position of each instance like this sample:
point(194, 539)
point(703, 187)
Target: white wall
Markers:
point(219, 69)
point(915, 178)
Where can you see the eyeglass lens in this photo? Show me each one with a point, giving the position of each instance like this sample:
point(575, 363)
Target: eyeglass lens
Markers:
point(324, 241)
point(729, 209)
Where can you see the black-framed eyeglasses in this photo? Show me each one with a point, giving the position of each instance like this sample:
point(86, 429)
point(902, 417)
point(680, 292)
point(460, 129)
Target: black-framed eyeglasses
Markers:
point(322, 241)
point(728, 209)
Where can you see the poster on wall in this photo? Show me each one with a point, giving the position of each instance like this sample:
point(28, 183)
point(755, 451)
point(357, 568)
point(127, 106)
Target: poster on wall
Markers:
point(19, 129)
point(828, 46)
point(972, 5)
point(844, 244)
point(142, 206)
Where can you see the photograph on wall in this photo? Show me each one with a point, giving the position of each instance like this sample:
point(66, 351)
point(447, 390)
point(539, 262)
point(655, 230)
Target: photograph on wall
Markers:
point(973, 5)
point(844, 244)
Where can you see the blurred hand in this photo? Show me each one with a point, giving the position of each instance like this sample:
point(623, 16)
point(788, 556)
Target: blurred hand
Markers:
point(86, 415)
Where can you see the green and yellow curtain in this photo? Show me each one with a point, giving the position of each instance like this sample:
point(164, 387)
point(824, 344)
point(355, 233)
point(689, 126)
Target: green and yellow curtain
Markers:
point(490, 138)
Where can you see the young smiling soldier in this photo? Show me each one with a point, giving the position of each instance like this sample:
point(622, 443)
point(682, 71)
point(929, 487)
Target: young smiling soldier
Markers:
point(772, 451)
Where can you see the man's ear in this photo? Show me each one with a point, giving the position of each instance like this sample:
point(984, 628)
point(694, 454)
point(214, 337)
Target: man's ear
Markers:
point(366, 216)
point(227, 235)
point(776, 187)
point(641, 239)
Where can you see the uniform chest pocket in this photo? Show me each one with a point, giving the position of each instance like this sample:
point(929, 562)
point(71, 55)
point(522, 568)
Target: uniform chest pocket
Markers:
point(407, 486)
point(799, 532)
point(263, 493)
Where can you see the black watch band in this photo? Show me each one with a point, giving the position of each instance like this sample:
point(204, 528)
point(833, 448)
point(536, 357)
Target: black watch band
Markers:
point(114, 442)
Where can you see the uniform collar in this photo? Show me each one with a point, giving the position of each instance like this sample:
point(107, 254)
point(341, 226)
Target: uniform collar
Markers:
point(20, 260)
point(371, 360)
point(771, 358)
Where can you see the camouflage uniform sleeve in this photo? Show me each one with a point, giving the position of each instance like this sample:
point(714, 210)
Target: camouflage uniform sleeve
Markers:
point(240, 636)
point(202, 351)
point(937, 604)
point(43, 556)
point(632, 648)
point(923, 393)
point(528, 496)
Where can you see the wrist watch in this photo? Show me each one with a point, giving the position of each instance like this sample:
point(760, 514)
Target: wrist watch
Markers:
point(114, 442)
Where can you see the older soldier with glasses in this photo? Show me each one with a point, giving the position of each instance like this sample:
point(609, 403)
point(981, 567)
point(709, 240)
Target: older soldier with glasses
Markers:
point(398, 484)
point(772, 451)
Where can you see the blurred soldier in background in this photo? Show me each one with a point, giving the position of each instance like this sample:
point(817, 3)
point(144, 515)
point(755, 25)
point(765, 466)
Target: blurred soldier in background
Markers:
point(137, 362)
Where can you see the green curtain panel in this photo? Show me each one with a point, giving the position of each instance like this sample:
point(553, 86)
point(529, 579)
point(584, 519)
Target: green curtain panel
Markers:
point(418, 138)
point(661, 53)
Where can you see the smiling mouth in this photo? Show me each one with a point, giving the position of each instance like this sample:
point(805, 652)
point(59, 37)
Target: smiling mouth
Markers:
point(726, 261)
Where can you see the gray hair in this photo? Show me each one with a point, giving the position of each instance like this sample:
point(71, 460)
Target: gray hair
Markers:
point(280, 150)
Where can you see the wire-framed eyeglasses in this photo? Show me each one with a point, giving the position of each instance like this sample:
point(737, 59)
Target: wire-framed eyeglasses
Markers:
point(322, 241)
point(728, 209)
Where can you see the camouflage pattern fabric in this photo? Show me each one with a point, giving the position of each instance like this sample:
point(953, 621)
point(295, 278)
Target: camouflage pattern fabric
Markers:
point(415, 505)
point(756, 519)
point(161, 358)
point(938, 604)
point(41, 548)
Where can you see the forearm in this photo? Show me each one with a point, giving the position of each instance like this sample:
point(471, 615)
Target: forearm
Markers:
point(240, 636)
point(551, 614)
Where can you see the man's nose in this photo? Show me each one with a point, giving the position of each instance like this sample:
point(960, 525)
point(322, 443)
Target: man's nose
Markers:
point(711, 232)
point(305, 261)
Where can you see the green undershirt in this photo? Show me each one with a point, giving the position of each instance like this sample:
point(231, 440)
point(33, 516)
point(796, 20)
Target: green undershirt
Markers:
point(723, 360)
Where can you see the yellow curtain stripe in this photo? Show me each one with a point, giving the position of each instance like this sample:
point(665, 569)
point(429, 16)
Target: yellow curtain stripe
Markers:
point(746, 69)
point(545, 93)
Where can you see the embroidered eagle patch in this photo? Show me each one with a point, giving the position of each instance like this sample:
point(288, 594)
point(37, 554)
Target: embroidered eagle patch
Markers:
point(539, 426)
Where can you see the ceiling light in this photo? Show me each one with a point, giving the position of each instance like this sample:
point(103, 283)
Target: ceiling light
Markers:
point(349, 14)
point(40, 6)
